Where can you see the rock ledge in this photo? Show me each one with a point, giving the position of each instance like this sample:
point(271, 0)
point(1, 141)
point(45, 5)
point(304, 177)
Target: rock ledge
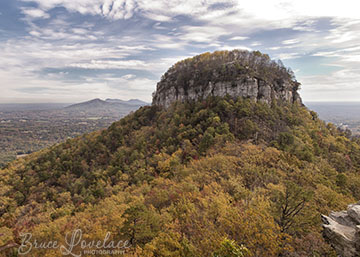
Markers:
point(342, 230)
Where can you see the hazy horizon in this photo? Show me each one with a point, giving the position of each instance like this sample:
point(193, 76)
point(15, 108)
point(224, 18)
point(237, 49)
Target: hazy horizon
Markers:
point(33, 101)
point(44, 101)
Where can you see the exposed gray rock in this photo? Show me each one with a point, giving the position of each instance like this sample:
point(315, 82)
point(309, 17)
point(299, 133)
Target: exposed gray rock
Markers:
point(342, 230)
point(236, 78)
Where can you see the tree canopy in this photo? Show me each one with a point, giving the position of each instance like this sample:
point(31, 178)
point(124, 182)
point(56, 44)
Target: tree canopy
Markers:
point(219, 177)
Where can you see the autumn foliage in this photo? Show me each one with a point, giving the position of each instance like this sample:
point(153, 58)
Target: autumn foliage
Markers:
point(221, 177)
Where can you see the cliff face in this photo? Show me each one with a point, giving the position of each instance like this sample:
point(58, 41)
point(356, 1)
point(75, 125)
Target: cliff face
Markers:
point(236, 73)
point(342, 230)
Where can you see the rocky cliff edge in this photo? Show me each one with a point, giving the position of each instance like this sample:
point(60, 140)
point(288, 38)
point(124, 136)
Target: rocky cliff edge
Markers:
point(342, 230)
point(236, 73)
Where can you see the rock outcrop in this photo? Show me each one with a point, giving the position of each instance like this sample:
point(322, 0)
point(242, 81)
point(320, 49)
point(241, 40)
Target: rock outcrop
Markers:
point(342, 230)
point(236, 73)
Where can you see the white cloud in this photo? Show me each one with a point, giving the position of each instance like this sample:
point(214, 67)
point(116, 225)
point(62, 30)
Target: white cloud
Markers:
point(23, 63)
point(61, 43)
point(290, 41)
point(203, 34)
point(129, 76)
point(36, 13)
point(257, 43)
point(229, 48)
point(238, 38)
point(272, 10)
point(109, 64)
point(274, 48)
point(122, 9)
point(287, 56)
point(167, 42)
point(80, 31)
point(338, 86)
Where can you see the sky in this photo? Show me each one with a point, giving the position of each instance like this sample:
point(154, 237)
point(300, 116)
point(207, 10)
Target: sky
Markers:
point(75, 50)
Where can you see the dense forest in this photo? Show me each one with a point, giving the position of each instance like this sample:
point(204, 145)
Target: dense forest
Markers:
point(217, 177)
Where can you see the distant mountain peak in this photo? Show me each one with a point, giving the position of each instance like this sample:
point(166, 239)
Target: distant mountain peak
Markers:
point(96, 100)
point(108, 103)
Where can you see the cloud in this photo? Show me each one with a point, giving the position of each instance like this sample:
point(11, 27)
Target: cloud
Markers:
point(238, 38)
point(290, 41)
point(146, 36)
point(110, 64)
point(119, 9)
point(36, 13)
point(164, 10)
point(287, 56)
point(229, 48)
point(257, 43)
point(203, 34)
point(337, 86)
point(129, 76)
point(26, 64)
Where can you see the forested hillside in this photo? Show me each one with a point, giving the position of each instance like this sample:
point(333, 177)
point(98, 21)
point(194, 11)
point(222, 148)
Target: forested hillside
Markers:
point(217, 177)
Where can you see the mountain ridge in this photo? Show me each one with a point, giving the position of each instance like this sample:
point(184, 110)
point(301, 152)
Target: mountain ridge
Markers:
point(98, 103)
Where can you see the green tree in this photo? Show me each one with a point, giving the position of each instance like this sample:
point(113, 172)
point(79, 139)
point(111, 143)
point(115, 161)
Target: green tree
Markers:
point(290, 204)
point(229, 248)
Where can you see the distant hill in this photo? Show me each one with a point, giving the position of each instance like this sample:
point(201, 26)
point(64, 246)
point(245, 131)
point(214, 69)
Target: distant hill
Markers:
point(98, 103)
point(98, 106)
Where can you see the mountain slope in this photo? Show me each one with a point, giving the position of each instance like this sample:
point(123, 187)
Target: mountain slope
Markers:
point(199, 178)
point(94, 103)
point(213, 159)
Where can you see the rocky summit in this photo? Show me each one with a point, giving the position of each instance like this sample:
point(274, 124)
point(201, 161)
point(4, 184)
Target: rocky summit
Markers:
point(236, 73)
point(342, 230)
